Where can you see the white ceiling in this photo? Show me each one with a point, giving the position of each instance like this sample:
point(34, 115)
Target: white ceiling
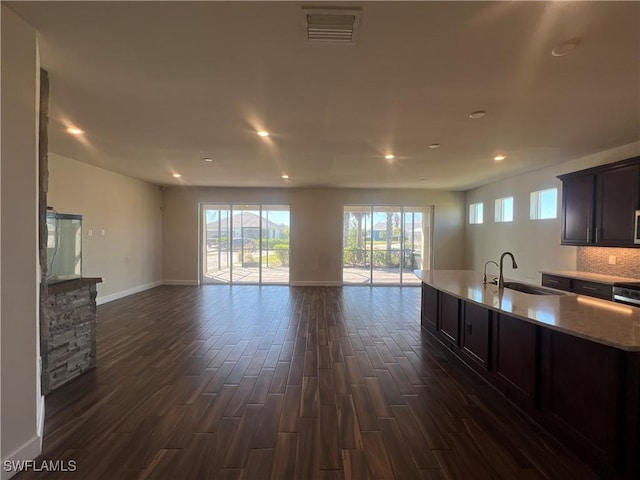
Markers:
point(157, 86)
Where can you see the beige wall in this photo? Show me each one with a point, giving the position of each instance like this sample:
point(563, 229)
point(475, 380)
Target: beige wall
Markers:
point(535, 243)
point(316, 226)
point(20, 392)
point(128, 256)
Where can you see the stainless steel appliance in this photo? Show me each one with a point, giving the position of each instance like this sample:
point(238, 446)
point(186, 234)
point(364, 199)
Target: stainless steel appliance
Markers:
point(627, 293)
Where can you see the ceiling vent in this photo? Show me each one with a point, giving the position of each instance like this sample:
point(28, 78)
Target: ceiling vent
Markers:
point(332, 25)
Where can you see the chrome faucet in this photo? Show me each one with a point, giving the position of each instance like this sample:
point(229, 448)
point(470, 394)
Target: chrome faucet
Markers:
point(513, 265)
point(484, 276)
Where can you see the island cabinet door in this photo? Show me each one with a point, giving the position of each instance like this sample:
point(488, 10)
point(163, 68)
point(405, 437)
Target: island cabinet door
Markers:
point(476, 324)
point(449, 325)
point(429, 313)
point(514, 359)
point(580, 394)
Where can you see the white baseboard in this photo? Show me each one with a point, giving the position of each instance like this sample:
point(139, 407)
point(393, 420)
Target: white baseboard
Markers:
point(28, 451)
point(125, 293)
point(314, 283)
point(181, 282)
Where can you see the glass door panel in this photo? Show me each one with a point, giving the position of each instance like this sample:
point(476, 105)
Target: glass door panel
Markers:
point(216, 265)
point(356, 258)
point(412, 244)
point(275, 244)
point(386, 244)
point(245, 244)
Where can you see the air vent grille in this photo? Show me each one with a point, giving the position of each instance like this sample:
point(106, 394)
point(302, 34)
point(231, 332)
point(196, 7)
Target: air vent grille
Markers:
point(334, 25)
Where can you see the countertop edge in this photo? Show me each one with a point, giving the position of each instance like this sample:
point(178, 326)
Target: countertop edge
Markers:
point(590, 277)
point(73, 284)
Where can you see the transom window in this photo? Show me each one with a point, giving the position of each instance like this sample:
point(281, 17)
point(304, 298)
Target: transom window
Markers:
point(544, 204)
point(504, 209)
point(475, 213)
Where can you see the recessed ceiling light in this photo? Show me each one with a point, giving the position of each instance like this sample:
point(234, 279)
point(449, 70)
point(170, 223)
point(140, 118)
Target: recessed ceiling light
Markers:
point(177, 175)
point(389, 156)
point(285, 176)
point(565, 48)
point(477, 114)
point(434, 145)
point(75, 131)
point(499, 158)
point(207, 159)
point(263, 133)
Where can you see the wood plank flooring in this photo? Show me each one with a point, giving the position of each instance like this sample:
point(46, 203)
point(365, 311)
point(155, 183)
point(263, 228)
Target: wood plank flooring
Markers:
point(285, 383)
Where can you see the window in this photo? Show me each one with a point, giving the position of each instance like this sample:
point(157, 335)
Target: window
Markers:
point(475, 213)
point(504, 209)
point(544, 204)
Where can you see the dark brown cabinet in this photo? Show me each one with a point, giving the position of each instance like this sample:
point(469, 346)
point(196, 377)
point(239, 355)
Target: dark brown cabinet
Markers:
point(429, 315)
point(599, 204)
point(583, 287)
point(616, 203)
point(581, 387)
point(449, 318)
point(515, 359)
point(557, 282)
point(592, 289)
point(577, 209)
point(476, 330)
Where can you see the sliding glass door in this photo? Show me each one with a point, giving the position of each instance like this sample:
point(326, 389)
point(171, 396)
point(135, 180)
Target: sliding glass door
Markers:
point(384, 244)
point(245, 244)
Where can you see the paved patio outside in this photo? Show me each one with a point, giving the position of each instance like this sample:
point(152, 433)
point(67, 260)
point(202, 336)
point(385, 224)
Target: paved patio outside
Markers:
point(280, 275)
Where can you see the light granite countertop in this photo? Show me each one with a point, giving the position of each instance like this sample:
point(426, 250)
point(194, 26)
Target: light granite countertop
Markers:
point(601, 321)
point(591, 277)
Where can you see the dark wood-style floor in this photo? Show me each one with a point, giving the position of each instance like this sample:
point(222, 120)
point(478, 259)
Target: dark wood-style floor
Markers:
point(287, 383)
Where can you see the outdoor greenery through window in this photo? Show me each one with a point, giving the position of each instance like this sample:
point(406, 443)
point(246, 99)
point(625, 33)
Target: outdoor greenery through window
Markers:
point(544, 204)
point(475, 213)
point(504, 209)
point(384, 244)
point(245, 244)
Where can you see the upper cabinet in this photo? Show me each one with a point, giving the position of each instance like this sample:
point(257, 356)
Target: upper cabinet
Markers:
point(599, 205)
point(578, 195)
point(616, 204)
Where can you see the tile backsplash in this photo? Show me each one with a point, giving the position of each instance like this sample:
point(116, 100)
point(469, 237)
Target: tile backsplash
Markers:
point(597, 260)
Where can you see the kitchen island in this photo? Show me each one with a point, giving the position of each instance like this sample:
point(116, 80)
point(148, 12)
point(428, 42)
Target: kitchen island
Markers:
point(572, 363)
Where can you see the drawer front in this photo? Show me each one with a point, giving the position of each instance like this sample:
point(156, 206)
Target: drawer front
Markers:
point(593, 289)
point(553, 281)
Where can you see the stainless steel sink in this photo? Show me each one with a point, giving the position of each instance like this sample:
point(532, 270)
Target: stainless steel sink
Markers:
point(531, 289)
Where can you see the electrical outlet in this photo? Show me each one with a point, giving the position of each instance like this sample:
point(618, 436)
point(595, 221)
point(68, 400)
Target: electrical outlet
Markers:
point(103, 232)
point(90, 233)
point(612, 259)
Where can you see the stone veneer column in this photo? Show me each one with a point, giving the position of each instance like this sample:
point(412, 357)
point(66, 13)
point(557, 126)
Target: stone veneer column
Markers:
point(43, 188)
point(70, 317)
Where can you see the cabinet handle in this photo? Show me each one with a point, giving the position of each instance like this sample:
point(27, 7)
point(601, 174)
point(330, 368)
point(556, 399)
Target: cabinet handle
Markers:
point(584, 287)
point(597, 230)
point(469, 327)
point(548, 280)
point(588, 235)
